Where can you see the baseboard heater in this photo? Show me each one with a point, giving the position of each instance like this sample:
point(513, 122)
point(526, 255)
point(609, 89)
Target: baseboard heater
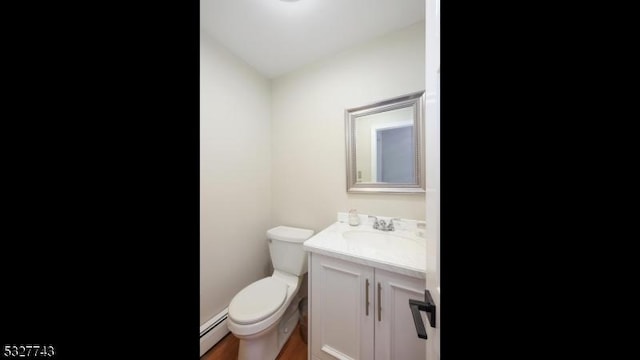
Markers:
point(213, 330)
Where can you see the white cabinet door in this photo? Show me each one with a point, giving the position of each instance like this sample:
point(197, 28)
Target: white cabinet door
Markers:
point(341, 322)
point(395, 332)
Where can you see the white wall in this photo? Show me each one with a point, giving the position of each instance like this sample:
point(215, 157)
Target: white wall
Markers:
point(308, 173)
point(235, 176)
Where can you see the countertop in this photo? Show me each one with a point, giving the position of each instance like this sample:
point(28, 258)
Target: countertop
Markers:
point(407, 256)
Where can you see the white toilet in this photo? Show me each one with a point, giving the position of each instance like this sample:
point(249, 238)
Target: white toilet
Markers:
point(264, 314)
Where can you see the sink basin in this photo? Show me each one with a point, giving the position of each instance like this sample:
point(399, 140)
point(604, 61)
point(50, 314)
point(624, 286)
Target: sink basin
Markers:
point(384, 245)
point(372, 236)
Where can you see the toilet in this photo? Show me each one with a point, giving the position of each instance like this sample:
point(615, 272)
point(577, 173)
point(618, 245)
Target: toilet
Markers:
point(263, 314)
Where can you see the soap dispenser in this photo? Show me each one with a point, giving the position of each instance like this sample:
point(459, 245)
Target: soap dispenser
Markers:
point(354, 219)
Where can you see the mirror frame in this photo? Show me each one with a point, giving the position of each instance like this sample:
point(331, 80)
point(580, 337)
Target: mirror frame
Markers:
point(415, 100)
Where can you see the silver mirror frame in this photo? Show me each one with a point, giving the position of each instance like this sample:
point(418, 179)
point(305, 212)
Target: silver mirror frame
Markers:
point(416, 100)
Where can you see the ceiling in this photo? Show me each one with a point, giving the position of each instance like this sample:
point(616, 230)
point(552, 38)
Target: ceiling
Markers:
point(276, 36)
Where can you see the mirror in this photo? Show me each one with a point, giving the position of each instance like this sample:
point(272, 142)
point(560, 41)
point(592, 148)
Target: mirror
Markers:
point(385, 146)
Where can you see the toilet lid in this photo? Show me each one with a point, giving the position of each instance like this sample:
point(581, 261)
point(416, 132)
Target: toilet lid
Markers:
point(257, 301)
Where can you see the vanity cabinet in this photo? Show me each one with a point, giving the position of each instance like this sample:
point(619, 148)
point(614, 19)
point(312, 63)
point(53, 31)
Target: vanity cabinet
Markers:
point(361, 312)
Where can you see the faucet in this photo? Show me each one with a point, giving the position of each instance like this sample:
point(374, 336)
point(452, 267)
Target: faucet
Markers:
point(382, 225)
point(376, 223)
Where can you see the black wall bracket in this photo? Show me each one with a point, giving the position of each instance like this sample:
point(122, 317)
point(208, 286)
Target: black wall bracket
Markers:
point(427, 305)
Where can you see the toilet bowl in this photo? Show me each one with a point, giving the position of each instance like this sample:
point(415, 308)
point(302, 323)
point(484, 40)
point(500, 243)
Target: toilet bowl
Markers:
point(264, 313)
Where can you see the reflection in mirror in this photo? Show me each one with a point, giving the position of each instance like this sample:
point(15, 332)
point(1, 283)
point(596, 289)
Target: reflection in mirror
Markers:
point(384, 146)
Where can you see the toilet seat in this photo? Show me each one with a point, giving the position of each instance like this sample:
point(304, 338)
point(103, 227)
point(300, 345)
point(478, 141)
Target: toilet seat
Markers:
point(258, 301)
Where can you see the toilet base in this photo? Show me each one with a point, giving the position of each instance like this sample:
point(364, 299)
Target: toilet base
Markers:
point(266, 345)
point(286, 326)
point(261, 346)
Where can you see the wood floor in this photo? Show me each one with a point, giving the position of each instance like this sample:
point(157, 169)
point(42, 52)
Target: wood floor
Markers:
point(227, 348)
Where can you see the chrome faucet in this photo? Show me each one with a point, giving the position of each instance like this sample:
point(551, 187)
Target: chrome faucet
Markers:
point(376, 224)
point(390, 227)
point(382, 225)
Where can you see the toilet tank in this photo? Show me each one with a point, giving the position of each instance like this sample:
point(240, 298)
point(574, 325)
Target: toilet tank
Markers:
point(285, 248)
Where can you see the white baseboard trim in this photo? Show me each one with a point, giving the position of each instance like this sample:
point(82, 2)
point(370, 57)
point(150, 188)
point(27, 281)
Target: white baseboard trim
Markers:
point(213, 330)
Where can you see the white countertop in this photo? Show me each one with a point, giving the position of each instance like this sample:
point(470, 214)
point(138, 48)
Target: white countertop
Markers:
point(406, 255)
